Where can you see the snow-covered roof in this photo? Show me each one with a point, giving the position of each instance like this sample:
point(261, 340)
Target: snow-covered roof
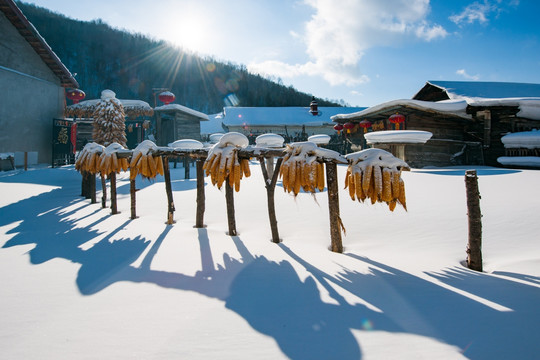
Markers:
point(132, 108)
point(281, 116)
point(178, 107)
point(483, 89)
point(532, 161)
point(529, 108)
point(525, 139)
point(213, 125)
point(457, 108)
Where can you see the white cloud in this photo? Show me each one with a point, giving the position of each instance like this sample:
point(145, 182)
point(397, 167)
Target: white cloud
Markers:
point(463, 73)
point(475, 12)
point(338, 35)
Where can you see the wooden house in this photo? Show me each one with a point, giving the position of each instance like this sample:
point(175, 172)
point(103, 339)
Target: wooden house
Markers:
point(175, 122)
point(467, 120)
point(32, 79)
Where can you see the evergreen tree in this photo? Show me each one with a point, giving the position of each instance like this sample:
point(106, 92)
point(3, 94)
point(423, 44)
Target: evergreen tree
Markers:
point(109, 120)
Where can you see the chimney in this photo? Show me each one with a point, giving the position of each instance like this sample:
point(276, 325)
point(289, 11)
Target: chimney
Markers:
point(314, 107)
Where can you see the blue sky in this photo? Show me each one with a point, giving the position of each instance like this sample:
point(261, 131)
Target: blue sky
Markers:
point(362, 51)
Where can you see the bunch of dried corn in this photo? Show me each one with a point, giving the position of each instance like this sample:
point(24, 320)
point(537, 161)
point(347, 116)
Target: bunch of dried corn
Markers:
point(144, 163)
point(88, 158)
point(223, 162)
point(375, 174)
point(109, 161)
point(301, 168)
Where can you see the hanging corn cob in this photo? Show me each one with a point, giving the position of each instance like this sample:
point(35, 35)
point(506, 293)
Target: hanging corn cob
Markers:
point(88, 158)
point(375, 174)
point(303, 167)
point(223, 163)
point(109, 161)
point(144, 163)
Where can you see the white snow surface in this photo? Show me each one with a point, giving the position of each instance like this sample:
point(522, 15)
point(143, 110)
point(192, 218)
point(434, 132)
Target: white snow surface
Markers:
point(398, 136)
point(108, 94)
point(78, 283)
point(376, 157)
point(306, 149)
point(233, 139)
point(524, 139)
point(269, 140)
point(214, 138)
point(186, 144)
point(113, 148)
point(145, 147)
point(319, 139)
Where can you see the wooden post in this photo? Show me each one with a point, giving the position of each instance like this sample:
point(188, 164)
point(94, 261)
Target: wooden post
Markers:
point(199, 218)
point(186, 167)
point(84, 184)
point(133, 197)
point(270, 185)
point(229, 197)
point(114, 206)
point(474, 247)
point(168, 189)
point(270, 166)
point(103, 192)
point(333, 207)
point(92, 185)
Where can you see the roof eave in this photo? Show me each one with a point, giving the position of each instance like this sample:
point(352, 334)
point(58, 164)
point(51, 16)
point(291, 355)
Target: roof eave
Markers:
point(36, 41)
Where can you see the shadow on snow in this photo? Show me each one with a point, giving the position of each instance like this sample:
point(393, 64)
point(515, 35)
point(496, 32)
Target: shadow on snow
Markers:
point(272, 298)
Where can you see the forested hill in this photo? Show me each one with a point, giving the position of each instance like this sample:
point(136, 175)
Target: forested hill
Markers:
point(133, 64)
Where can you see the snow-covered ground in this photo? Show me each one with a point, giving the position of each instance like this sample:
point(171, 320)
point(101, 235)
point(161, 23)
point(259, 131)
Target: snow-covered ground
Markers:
point(79, 283)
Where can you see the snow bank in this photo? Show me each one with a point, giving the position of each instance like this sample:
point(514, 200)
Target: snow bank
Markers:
point(398, 136)
point(526, 139)
point(270, 140)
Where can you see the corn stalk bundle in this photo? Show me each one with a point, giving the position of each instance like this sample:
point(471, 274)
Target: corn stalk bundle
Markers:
point(109, 161)
point(144, 163)
point(375, 174)
point(88, 159)
point(303, 168)
point(223, 163)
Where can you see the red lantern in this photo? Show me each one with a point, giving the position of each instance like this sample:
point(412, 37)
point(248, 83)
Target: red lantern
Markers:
point(349, 126)
point(166, 97)
point(75, 95)
point(338, 127)
point(397, 119)
point(365, 124)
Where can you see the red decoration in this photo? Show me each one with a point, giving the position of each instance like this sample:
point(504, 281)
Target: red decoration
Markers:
point(166, 97)
point(396, 119)
point(365, 124)
point(76, 95)
point(338, 128)
point(74, 136)
point(349, 126)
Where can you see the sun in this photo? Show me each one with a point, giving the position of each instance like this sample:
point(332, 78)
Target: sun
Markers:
point(191, 34)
